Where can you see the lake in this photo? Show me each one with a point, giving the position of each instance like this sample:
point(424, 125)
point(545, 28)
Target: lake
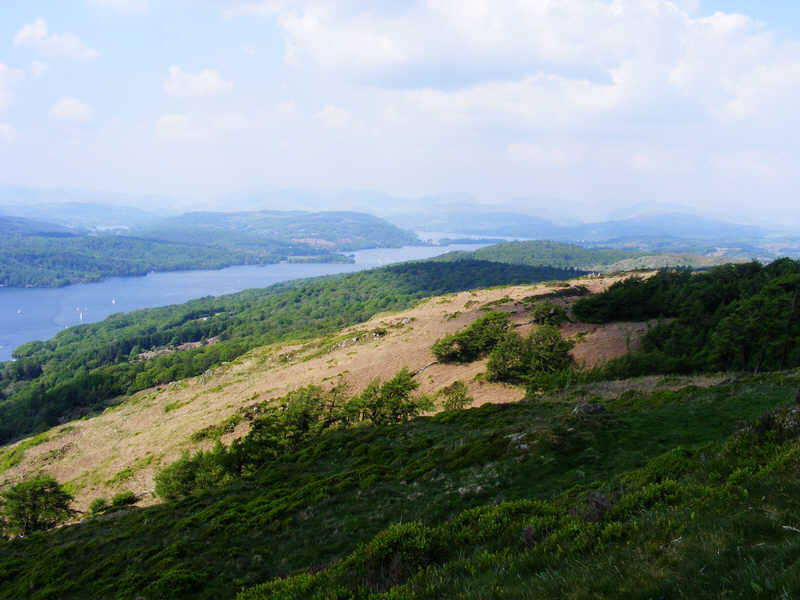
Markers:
point(28, 314)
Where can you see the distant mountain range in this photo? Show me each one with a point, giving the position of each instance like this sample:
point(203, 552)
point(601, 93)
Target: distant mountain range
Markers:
point(669, 230)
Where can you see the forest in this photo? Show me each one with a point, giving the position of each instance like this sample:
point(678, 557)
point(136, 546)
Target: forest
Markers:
point(53, 261)
point(545, 252)
point(36, 254)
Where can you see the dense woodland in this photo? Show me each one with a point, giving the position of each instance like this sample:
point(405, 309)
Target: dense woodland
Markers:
point(732, 318)
point(52, 261)
point(743, 317)
point(545, 252)
point(35, 254)
point(592, 258)
point(342, 231)
point(82, 368)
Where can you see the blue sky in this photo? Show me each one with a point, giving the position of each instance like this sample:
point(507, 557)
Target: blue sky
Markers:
point(582, 108)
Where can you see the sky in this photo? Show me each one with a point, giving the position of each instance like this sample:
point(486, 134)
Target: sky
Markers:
point(588, 109)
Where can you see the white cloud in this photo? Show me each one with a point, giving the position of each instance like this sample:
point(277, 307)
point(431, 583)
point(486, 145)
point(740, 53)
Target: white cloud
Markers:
point(39, 68)
point(66, 45)
point(360, 43)
point(70, 109)
point(541, 156)
point(132, 7)
point(333, 116)
point(7, 133)
point(572, 58)
point(8, 78)
point(250, 9)
point(249, 50)
point(206, 83)
point(181, 127)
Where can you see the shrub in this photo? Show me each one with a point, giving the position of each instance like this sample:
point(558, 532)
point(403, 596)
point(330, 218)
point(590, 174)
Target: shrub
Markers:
point(122, 499)
point(98, 505)
point(508, 360)
point(391, 402)
point(34, 505)
point(533, 360)
point(474, 341)
point(547, 313)
point(455, 396)
point(188, 474)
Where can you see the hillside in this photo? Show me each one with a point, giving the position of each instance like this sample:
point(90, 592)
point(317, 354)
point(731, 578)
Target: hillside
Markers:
point(602, 260)
point(376, 348)
point(331, 231)
point(10, 225)
point(82, 369)
point(35, 254)
point(50, 260)
point(638, 487)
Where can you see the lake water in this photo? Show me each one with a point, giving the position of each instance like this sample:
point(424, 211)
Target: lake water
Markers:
point(28, 314)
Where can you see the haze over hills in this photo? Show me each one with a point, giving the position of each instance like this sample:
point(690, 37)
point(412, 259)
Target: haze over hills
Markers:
point(645, 227)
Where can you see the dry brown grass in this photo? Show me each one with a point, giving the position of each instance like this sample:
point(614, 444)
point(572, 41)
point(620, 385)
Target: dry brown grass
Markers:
point(124, 448)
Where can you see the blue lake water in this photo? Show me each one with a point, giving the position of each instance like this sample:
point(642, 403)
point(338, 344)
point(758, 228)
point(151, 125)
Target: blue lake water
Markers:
point(28, 314)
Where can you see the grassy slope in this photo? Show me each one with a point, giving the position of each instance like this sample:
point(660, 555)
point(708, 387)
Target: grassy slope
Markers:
point(605, 260)
point(318, 506)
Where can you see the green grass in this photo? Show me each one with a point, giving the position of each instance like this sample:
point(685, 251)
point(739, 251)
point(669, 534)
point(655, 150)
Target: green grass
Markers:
point(11, 457)
point(483, 503)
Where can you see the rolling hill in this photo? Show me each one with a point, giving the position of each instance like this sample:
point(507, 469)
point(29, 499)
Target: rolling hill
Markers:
point(267, 476)
point(603, 260)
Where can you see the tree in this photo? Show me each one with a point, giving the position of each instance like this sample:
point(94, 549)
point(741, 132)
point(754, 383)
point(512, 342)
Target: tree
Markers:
point(34, 505)
point(391, 402)
point(518, 360)
point(474, 341)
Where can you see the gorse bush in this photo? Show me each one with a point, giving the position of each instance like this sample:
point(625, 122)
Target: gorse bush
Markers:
point(474, 341)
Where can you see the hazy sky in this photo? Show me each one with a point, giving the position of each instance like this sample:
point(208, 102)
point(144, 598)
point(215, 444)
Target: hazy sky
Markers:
point(590, 107)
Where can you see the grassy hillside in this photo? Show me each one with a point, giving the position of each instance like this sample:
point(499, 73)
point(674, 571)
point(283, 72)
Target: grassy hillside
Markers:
point(332, 231)
point(34, 254)
point(603, 260)
point(10, 225)
point(599, 489)
point(82, 368)
point(36, 260)
point(659, 495)
point(545, 252)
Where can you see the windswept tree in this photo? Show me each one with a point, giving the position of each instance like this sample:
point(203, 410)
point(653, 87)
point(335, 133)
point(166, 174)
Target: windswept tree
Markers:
point(34, 505)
